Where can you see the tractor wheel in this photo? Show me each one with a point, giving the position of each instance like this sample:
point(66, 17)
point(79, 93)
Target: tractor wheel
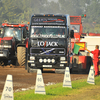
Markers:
point(21, 53)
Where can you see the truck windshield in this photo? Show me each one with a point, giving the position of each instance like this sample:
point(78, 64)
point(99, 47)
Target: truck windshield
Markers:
point(48, 31)
point(76, 28)
point(12, 32)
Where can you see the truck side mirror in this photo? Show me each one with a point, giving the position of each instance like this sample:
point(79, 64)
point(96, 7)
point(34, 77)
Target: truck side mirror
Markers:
point(72, 34)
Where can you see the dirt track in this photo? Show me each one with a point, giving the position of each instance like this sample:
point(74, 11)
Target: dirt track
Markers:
point(22, 79)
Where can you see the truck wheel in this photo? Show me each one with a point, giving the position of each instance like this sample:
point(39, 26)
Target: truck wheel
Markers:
point(21, 55)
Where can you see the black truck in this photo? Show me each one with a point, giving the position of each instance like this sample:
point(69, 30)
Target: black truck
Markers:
point(49, 44)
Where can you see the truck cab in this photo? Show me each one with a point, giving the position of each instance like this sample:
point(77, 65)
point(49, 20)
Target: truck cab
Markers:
point(76, 25)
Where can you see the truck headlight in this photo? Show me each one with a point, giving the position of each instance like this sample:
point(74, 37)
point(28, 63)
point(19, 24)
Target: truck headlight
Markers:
point(62, 58)
point(53, 60)
point(49, 60)
point(32, 58)
point(45, 60)
point(40, 60)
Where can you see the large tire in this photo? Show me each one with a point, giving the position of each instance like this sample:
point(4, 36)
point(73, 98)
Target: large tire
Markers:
point(21, 53)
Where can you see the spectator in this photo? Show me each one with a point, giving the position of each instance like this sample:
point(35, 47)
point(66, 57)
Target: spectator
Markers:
point(96, 54)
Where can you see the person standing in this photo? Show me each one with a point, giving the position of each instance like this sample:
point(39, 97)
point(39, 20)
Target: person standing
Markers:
point(74, 28)
point(96, 54)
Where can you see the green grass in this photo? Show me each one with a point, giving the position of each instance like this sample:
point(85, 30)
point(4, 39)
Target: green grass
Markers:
point(57, 91)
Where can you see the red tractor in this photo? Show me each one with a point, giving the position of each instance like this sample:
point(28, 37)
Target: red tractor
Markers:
point(82, 61)
point(13, 43)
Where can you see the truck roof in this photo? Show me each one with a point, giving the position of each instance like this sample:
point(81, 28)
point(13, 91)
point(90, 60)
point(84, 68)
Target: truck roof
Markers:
point(51, 15)
point(15, 25)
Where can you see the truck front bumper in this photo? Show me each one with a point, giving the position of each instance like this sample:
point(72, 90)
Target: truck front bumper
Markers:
point(47, 62)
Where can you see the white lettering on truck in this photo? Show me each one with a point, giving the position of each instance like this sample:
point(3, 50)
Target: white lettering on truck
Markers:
point(42, 43)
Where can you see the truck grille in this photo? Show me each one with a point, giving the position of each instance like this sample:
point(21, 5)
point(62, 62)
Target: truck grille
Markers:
point(48, 51)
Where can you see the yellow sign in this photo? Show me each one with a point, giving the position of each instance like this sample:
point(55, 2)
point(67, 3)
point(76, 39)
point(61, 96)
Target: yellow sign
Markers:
point(81, 44)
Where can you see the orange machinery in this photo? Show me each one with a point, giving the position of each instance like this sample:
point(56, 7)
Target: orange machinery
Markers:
point(79, 62)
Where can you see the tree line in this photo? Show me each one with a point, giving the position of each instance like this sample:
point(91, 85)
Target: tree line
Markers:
point(15, 11)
